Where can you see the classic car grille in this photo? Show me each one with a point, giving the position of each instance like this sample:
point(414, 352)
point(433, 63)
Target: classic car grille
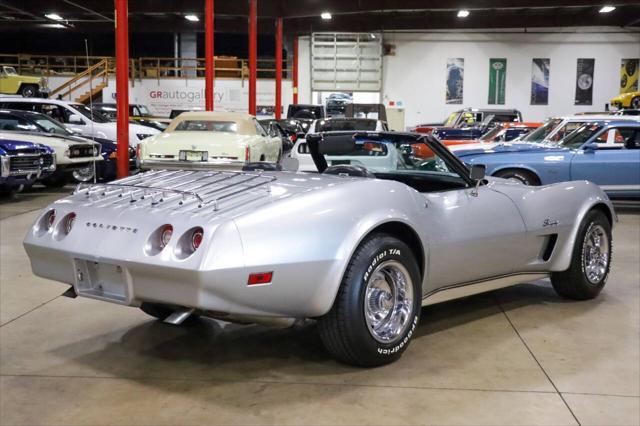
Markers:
point(194, 191)
point(76, 151)
point(47, 160)
point(25, 163)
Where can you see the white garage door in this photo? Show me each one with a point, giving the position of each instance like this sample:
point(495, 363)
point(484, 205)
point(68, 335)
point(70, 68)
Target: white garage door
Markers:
point(346, 62)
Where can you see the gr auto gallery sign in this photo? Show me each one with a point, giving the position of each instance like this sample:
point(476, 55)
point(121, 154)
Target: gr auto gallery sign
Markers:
point(229, 95)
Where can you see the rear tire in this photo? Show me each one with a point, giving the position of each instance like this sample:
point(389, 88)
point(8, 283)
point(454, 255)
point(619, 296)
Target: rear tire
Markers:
point(522, 176)
point(635, 102)
point(55, 181)
point(377, 307)
point(590, 261)
point(29, 91)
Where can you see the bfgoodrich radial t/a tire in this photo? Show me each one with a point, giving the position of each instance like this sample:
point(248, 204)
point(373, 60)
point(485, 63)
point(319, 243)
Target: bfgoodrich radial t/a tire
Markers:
point(590, 262)
point(377, 307)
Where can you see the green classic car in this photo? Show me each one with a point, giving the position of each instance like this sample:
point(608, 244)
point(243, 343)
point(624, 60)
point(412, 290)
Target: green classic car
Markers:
point(12, 83)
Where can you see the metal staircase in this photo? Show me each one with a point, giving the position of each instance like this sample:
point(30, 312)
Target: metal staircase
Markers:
point(95, 78)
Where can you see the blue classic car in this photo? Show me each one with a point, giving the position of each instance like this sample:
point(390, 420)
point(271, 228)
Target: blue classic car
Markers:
point(604, 152)
point(22, 163)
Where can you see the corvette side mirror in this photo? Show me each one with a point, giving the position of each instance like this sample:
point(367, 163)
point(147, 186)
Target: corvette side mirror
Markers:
point(478, 171)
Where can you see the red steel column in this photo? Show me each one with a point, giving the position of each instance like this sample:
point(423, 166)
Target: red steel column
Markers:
point(295, 70)
point(278, 68)
point(122, 86)
point(209, 64)
point(253, 53)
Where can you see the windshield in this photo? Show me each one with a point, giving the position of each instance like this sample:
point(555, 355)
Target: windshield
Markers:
point(207, 126)
point(86, 111)
point(10, 71)
point(395, 158)
point(541, 133)
point(337, 125)
point(577, 138)
point(492, 134)
point(50, 125)
point(143, 111)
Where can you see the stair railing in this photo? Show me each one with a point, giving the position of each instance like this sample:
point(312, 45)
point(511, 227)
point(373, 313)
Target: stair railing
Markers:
point(97, 71)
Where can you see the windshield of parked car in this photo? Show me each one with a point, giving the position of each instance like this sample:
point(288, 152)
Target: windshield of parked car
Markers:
point(492, 134)
point(348, 124)
point(12, 123)
point(541, 133)
point(50, 125)
point(207, 126)
point(577, 138)
point(10, 71)
point(423, 164)
point(95, 116)
point(143, 111)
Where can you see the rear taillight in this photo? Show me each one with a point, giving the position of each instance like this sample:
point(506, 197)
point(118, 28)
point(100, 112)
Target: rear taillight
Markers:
point(165, 235)
point(69, 220)
point(247, 153)
point(50, 219)
point(196, 238)
point(138, 151)
point(293, 138)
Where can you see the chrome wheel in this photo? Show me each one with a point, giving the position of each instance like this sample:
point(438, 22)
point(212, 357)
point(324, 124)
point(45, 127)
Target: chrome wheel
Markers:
point(84, 174)
point(595, 253)
point(388, 301)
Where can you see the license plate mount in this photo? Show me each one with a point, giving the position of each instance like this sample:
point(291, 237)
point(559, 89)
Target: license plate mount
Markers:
point(186, 155)
point(100, 280)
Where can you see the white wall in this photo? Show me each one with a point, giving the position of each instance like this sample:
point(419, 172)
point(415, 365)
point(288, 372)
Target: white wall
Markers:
point(416, 74)
point(165, 94)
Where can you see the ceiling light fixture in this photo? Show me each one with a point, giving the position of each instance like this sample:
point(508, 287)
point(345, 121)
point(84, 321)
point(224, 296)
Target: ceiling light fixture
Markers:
point(326, 16)
point(53, 16)
point(463, 13)
point(192, 18)
point(607, 9)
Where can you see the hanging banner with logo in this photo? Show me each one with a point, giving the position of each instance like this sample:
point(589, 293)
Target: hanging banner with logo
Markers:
point(540, 81)
point(584, 81)
point(455, 80)
point(629, 75)
point(497, 80)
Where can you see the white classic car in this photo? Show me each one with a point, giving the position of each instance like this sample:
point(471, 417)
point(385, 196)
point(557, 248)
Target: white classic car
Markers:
point(78, 118)
point(206, 140)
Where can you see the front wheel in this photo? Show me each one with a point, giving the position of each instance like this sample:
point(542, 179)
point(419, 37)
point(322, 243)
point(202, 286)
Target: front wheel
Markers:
point(635, 102)
point(84, 174)
point(377, 307)
point(590, 261)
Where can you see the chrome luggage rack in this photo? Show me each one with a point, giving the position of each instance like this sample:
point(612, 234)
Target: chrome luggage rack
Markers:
point(185, 187)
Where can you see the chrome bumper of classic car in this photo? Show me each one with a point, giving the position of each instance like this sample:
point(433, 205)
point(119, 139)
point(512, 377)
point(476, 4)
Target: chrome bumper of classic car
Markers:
point(191, 165)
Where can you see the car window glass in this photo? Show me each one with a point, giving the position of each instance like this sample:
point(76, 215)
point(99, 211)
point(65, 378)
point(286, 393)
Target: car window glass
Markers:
point(577, 138)
point(630, 137)
point(207, 126)
point(22, 106)
point(9, 122)
point(259, 129)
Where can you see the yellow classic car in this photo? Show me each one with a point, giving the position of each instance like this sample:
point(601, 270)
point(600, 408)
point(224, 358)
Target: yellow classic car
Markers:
point(209, 140)
point(626, 100)
point(12, 83)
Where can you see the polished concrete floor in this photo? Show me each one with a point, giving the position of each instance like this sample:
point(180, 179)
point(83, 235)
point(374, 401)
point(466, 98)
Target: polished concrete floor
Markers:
point(513, 356)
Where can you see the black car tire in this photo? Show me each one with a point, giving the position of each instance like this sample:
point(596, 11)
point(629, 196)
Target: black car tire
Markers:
point(635, 103)
point(29, 90)
point(345, 330)
point(522, 176)
point(56, 180)
point(574, 283)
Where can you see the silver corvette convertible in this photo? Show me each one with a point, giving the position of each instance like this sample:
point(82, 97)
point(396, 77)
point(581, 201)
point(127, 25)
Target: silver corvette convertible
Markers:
point(359, 250)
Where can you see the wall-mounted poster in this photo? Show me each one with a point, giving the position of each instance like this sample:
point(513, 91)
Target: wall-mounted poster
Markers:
point(455, 80)
point(540, 81)
point(497, 80)
point(584, 81)
point(629, 75)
